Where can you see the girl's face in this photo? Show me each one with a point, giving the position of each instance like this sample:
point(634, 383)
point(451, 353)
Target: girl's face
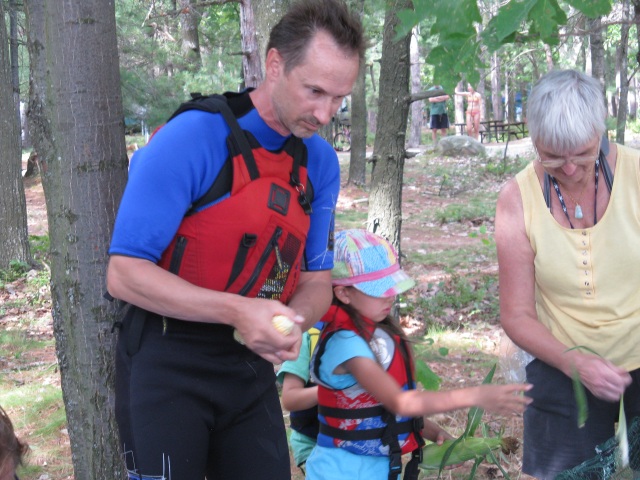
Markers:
point(374, 308)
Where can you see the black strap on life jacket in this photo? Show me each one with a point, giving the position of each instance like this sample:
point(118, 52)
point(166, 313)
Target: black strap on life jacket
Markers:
point(230, 106)
point(389, 434)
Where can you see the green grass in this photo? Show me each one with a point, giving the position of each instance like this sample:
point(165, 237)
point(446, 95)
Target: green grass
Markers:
point(351, 219)
point(458, 300)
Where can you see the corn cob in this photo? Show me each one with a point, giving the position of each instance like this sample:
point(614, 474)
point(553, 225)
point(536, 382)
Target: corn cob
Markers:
point(469, 448)
point(282, 323)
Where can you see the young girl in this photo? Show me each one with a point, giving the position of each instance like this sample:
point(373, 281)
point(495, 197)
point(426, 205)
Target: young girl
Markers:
point(370, 412)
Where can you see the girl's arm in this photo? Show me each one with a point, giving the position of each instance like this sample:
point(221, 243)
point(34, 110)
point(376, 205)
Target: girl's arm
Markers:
point(432, 431)
point(294, 396)
point(501, 399)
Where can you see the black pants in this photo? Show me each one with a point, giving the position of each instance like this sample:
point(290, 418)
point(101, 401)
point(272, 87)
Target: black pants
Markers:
point(192, 402)
point(552, 440)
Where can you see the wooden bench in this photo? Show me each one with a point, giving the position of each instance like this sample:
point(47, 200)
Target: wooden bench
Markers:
point(461, 128)
point(499, 131)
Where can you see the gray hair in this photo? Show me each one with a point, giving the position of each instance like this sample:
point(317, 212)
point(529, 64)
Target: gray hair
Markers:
point(566, 110)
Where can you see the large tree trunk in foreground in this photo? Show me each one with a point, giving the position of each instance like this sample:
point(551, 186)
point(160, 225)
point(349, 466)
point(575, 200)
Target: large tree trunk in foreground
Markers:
point(385, 200)
point(76, 119)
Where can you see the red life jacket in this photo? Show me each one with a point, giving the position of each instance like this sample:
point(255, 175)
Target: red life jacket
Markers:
point(252, 242)
point(354, 419)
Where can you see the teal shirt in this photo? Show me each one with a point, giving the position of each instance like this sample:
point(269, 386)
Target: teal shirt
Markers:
point(437, 108)
point(300, 444)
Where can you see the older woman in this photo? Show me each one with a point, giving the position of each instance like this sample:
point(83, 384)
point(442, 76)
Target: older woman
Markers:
point(568, 239)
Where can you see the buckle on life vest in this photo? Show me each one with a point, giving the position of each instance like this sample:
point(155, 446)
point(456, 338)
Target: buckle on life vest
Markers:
point(395, 463)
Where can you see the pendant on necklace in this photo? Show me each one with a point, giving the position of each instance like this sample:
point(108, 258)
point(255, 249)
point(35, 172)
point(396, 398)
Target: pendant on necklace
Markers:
point(577, 213)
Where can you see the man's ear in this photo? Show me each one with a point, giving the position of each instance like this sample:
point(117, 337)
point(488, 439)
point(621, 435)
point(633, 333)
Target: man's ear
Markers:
point(274, 63)
point(342, 294)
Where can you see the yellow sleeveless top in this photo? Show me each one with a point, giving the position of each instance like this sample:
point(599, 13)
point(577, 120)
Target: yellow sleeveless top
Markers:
point(587, 280)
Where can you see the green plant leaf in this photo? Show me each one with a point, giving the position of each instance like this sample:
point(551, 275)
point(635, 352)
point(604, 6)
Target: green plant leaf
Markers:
point(475, 413)
point(592, 8)
point(581, 399)
point(509, 19)
point(427, 377)
point(546, 16)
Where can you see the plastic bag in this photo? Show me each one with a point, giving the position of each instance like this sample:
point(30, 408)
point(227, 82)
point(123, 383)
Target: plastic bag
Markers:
point(513, 360)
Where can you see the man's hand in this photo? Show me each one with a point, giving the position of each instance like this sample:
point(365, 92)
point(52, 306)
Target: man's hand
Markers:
point(255, 327)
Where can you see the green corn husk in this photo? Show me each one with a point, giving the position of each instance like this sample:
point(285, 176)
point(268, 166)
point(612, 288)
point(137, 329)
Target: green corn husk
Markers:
point(453, 452)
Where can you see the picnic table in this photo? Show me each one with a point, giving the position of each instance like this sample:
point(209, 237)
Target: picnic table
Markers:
point(499, 131)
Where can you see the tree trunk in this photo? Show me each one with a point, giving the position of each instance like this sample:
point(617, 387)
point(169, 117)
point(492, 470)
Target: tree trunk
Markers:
point(385, 200)
point(621, 67)
point(358, 154)
point(548, 55)
point(415, 130)
point(597, 51)
point(14, 234)
point(496, 88)
point(266, 14)
point(190, 46)
point(13, 53)
point(76, 119)
point(251, 62)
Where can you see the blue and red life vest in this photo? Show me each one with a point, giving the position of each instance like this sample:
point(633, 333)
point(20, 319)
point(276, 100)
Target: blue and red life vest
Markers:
point(352, 418)
point(252, 242)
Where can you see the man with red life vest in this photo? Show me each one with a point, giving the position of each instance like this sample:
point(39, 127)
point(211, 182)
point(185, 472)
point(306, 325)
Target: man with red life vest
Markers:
point(190, 400)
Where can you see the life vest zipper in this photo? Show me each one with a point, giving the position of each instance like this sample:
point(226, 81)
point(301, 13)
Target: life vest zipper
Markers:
point(178, 252)
point(272, 246)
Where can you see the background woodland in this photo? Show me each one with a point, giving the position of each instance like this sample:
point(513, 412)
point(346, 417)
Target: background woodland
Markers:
point(77, 75)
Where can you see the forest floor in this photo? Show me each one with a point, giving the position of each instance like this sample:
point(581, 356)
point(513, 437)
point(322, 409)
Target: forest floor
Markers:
point(447, 246)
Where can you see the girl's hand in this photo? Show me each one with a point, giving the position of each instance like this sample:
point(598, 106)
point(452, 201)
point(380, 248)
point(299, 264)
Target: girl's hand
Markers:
point(504, 399)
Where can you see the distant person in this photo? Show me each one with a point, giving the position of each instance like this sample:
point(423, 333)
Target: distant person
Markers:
point(370, 410)
point(473, 111)
point(12, 449)
point(567, 232)
point(438, 115)
point(518, 106)
point(300, 398)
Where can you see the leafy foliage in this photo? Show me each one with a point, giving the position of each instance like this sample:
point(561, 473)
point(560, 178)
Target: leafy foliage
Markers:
point(458, 53)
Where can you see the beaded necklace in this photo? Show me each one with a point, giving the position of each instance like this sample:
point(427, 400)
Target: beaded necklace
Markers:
point(595, 199)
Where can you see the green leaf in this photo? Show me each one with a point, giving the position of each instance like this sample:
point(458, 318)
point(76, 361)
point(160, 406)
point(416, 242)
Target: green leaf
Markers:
point(546, 16)
point(581, 399)
point(427, 377)
point(592, 8)
point(510, 18)
point(475, 413)
point(409, 18)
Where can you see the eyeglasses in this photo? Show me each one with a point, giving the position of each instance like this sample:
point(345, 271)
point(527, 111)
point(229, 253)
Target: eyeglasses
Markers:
point(560, 161)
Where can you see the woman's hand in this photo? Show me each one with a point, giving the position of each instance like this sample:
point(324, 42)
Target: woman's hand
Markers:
point(604, 379)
